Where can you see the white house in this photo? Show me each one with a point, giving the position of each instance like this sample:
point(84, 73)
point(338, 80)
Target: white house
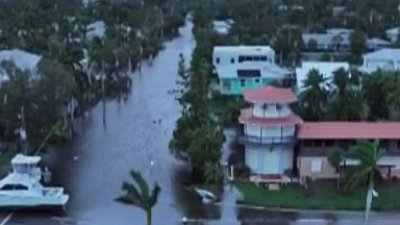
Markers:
point(241, 68)
point(222, 26)
point(385, 59)
point(96, 29)
point(393, 34)
point(325, 68)
point(23, 60)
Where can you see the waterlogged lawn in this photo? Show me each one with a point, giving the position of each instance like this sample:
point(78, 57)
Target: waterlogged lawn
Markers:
point(327, 198)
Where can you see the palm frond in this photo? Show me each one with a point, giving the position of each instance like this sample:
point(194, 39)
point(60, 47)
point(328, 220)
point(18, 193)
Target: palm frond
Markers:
point(154, 196)
point(139, 180)
point(125, 199)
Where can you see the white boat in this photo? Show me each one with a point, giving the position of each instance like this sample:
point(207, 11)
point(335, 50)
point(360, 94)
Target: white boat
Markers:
point(22, 188)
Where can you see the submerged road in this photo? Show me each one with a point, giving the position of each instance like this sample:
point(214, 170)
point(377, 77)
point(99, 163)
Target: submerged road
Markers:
point(138, 129)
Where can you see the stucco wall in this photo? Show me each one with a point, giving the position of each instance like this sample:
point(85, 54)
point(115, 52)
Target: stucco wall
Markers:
point(305, 165)
point(269, 159)
point(272, 132)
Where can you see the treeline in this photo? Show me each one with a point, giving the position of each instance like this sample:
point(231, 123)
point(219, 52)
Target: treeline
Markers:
point(198, 136)
point(86, 49)
point(357, 97)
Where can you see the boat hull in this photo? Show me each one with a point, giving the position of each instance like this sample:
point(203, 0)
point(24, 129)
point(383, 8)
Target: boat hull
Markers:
point(32, 203)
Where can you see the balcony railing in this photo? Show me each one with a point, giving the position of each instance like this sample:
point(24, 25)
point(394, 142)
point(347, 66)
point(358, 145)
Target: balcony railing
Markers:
point(265, 140)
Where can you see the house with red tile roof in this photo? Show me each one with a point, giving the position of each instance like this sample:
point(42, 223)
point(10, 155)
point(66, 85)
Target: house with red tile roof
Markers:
point(280, 146)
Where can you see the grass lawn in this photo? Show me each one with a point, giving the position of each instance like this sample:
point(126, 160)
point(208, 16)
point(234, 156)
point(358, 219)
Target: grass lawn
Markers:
point(327, 198)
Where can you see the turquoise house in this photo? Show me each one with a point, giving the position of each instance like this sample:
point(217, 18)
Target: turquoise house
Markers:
point(242, 68)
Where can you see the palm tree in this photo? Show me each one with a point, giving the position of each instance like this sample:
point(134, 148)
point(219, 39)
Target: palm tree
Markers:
point(139, 195)
point(314, 97)
point(368, 154)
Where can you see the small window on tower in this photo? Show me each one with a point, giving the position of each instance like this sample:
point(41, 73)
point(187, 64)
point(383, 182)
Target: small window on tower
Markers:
point(232, 60)
point(257, 80)
point(217, 60)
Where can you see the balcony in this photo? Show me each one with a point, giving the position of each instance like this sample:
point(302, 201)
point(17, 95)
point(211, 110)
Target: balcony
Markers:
point(245, 139)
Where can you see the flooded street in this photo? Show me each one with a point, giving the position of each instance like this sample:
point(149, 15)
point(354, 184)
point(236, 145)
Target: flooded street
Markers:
point(138, 129)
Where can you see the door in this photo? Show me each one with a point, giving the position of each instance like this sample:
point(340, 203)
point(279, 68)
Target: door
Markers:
point(271, 161)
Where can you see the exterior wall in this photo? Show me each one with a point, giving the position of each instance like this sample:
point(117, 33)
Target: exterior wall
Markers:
point(234, 85)
point(269, 159)
point(315, 167)
point(270, 132)
point(308, 157)
point(271, 110)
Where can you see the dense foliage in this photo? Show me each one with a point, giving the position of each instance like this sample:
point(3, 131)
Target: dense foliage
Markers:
point(198, 136)
point(279, 22)
point(78, 64)
point(350, 98)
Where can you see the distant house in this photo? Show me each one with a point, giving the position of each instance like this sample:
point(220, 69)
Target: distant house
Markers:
point(23, 60)
point(374, 44)
point(335, 39)
point(393, 34)
point(325, 68)
point(241, 68)
point(222, 26)
point(385, 59)
point(96, 29)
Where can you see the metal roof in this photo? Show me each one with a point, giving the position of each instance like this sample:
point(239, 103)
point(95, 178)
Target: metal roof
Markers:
point(349, 130)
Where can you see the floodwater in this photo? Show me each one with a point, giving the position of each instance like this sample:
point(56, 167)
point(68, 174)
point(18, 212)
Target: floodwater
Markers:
point(136, 135)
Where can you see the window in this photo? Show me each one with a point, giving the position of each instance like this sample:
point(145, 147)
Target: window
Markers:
point(278, 107)
point(256, 58)
point(249, 58)
point(241, 58)
point(318, 143)
point(257, 80)
point(226, 84)
point(263, 58)
point(232, 60)
point(307, 143)
point(329, 143)
point(217, 60)
point(316, 166)
point(8, 187)
point(384, 144)
point(242, 82)
point(249, 73)
point(398, 144)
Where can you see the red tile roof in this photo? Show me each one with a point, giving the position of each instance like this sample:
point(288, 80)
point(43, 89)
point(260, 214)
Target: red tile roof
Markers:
point(246, 117)
point(270, 94)
point(349, 130)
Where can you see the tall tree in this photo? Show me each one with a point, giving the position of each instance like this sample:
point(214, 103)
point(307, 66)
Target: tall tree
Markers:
point(139, 194)
point(314, 98)
point(367, 153)
point(357, 43)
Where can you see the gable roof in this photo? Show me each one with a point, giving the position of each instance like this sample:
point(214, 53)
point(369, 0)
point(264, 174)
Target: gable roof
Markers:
point(348, 130)
point(270, 94)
